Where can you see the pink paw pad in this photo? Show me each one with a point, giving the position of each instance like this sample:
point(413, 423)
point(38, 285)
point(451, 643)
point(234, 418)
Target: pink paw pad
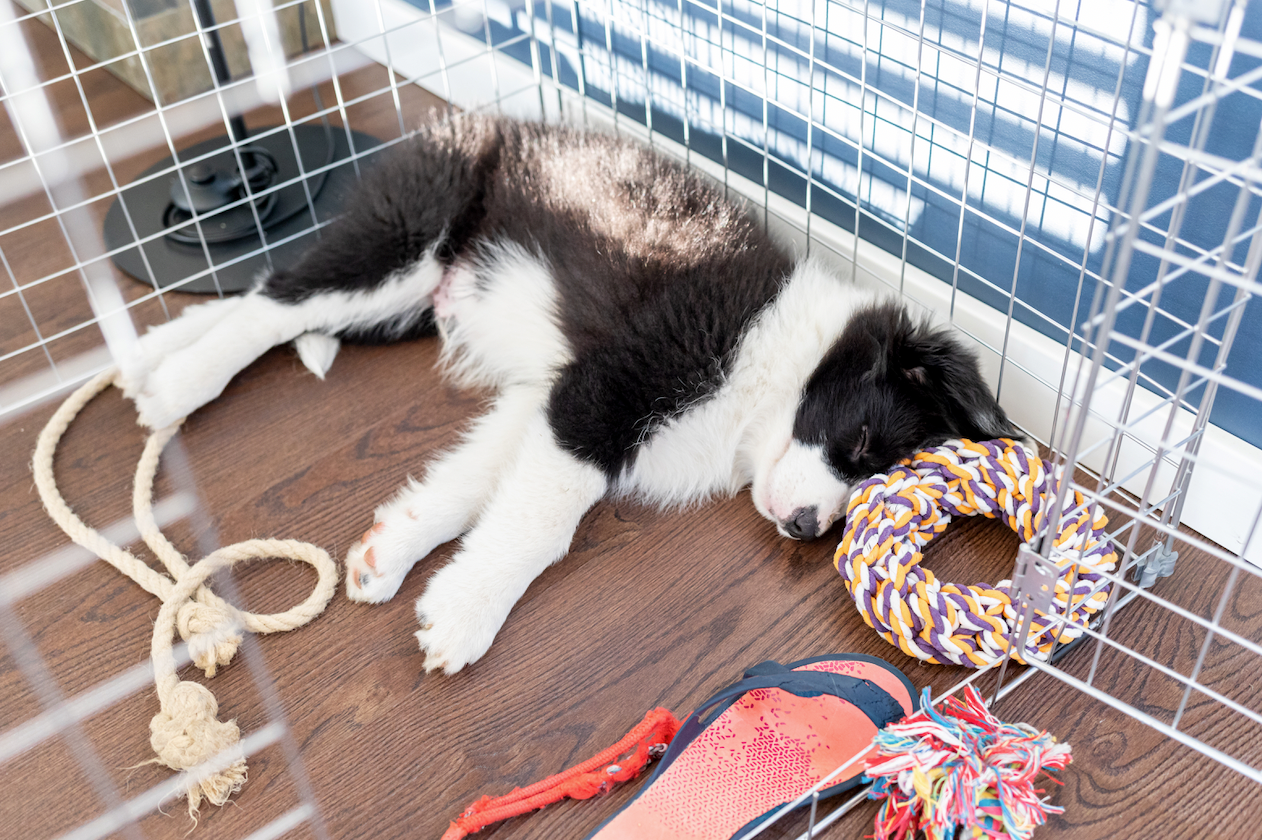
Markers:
point(369, 560)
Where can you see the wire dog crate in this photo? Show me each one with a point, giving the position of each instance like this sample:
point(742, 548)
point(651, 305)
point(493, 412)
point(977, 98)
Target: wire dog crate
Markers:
point(1074, 186)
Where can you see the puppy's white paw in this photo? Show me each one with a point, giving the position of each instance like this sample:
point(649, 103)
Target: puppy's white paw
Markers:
point(460, 613)
point(363, 584)
point(164, 377)
point(154, 413)
point(175, 389)
point(133, 370)
point(137, 366)
point(377, 565)
point(373, 570)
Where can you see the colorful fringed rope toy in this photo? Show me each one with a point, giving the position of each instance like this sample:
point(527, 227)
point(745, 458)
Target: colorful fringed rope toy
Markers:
point(961, 767)
point(892, 517)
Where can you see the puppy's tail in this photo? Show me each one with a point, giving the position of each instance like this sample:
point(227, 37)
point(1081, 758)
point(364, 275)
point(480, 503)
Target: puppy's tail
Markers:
point(317, 351)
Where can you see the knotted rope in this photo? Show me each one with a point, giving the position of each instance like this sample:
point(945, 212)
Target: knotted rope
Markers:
point(892, 517)
point(186, 732)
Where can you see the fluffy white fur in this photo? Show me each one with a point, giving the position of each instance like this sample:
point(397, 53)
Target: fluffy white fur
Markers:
point(498, 320)
point(741, 434)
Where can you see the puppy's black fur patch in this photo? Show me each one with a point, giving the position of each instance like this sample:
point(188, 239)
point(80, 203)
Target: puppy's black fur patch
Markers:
point(890, 386)
point(427, 193)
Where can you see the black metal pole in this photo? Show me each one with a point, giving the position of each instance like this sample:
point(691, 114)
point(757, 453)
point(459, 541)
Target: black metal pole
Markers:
point(218, 62)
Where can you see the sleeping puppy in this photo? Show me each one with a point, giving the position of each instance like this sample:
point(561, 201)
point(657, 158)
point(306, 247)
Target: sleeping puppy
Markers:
point(643, 337)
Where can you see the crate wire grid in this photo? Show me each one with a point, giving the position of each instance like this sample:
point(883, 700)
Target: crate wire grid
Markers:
point(1090, 358)
point(1231, 282)
point(1218, 28)
point(32, 116)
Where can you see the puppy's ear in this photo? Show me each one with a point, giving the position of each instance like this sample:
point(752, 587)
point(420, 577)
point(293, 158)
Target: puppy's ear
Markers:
point(860, 450)
point(881, 362)
point(936, 360)
point(918, 375)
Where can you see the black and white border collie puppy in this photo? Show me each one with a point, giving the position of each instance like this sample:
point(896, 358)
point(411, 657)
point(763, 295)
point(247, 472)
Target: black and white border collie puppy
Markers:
point(643, 337)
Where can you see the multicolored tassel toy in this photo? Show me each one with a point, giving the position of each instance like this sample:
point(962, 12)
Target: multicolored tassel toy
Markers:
point(961, 768)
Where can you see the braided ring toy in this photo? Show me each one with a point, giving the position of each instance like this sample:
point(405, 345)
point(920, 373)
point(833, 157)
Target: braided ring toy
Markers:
point(892, 517)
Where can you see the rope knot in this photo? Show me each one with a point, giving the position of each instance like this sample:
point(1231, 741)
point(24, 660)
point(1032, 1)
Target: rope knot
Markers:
point(213, 632)
point(187, 732)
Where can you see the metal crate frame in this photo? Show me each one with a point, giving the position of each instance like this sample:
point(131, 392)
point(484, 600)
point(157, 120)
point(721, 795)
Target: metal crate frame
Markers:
point(1105, 396)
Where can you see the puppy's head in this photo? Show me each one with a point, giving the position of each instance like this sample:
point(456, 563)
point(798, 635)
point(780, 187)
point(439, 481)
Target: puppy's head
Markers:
point(888, 387)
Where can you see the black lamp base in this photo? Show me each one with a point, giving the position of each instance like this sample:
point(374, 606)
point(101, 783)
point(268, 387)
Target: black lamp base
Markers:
point(224, 266)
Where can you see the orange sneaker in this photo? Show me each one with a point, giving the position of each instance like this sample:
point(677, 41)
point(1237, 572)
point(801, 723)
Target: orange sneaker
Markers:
point(763, 742)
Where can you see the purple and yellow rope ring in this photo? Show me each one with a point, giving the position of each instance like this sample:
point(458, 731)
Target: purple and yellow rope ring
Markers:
point(891, 517)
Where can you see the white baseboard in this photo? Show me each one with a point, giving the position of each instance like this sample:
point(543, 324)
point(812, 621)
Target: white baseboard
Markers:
point(1222, 501)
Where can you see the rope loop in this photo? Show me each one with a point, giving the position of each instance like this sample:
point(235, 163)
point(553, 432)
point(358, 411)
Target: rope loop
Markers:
point(186, 732)
point(892, 517)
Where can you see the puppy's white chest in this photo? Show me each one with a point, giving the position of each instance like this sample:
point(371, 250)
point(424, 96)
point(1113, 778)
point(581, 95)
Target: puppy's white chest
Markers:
point(692, 457)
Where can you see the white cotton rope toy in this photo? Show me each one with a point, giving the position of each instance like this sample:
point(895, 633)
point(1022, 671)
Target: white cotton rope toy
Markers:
point(186, 733)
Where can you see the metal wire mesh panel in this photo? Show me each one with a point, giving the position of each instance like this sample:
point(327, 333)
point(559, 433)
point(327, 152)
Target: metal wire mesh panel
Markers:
point(1071, 185)
point(1144, 400)
point(72, 143)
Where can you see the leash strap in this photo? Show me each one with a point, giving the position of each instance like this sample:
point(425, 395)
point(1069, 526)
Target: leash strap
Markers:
point(598, 774)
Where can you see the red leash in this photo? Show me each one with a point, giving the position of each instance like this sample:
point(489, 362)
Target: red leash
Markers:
point(596, 775)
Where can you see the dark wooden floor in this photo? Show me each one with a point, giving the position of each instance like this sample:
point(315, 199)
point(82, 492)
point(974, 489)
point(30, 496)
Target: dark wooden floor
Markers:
point(649, 609)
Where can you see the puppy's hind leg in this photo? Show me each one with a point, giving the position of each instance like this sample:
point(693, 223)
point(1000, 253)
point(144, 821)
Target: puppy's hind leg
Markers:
point(527, 526)
point(369, 277)
point(426, 514)
point(184, 377)
point(163, 340)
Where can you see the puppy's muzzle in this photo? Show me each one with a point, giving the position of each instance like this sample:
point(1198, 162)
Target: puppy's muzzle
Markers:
point(804, 524)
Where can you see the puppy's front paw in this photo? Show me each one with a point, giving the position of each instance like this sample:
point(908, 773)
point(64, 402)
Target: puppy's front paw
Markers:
point(373, 574)
point(377, 565)
point(460, 613)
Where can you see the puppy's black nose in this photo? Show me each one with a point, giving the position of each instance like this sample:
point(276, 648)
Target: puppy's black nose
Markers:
point(804, 525)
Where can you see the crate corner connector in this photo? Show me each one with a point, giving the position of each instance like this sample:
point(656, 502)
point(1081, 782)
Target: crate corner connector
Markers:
point(1034, 580)
point(1156, 562)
